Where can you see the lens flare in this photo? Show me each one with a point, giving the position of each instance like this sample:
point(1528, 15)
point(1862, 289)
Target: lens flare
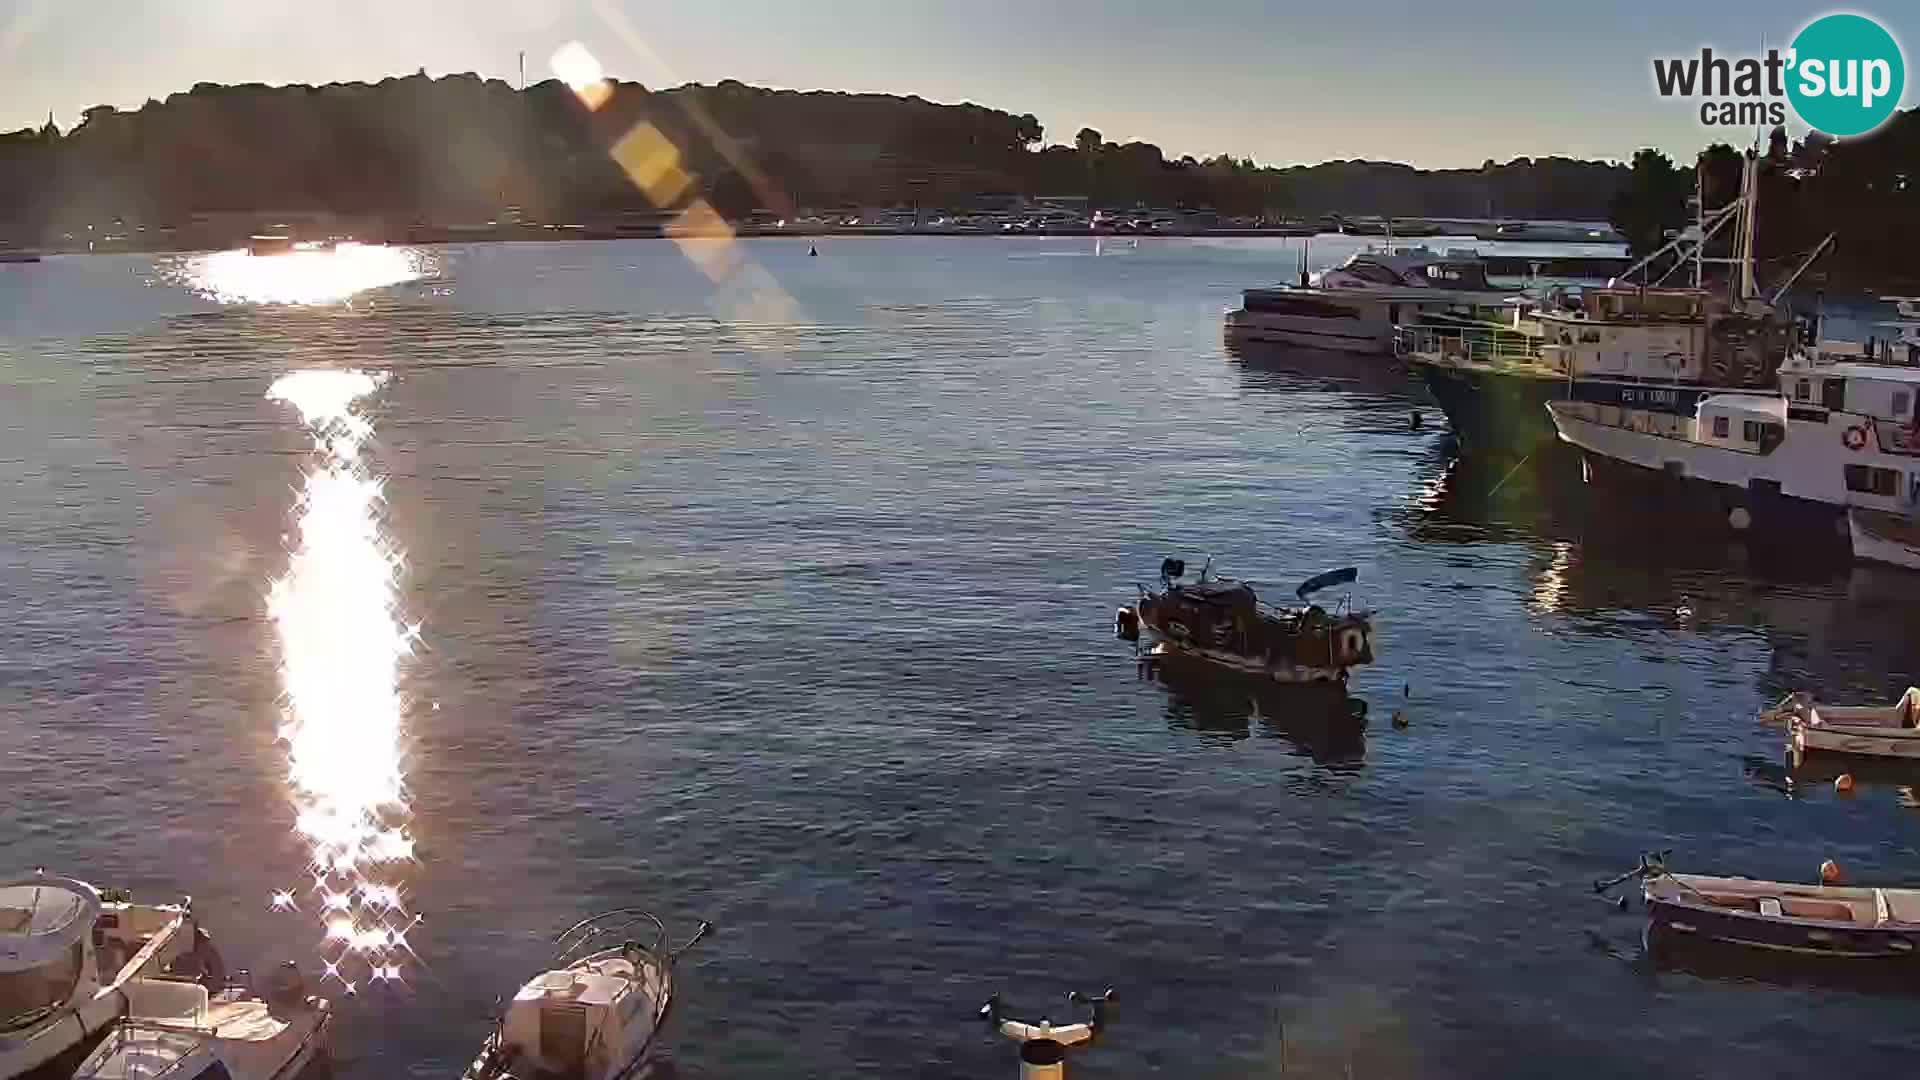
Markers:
point(342, 643)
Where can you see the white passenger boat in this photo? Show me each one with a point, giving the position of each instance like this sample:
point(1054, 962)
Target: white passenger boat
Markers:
point(1354, 307)
point(1838, 437)
point(72, 960)
point(177, 1031)
point(595, 1015)
point(1891, 731)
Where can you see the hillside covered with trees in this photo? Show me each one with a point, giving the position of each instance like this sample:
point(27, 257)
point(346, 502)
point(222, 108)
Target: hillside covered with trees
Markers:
point(1866, 192)
point(462, 148)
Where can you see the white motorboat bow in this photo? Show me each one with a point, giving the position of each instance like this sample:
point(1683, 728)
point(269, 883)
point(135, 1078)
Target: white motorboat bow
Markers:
point(177, 1031)
point(595, 1015)
point(1891, 731)
point(71, 960)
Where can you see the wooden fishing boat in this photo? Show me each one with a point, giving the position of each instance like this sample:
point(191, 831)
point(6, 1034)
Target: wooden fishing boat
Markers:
point(1223, 621)
point(1827, 925)
point(1891, 731)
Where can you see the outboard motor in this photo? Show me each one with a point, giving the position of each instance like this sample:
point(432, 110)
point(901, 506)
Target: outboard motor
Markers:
point(288, 988)
point(1172, 569)
point(1126, 624)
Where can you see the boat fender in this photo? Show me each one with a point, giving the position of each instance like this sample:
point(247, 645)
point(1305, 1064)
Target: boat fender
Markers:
point(1830, 873)
point(1843, 784)
point(1854, 437)
point(1126, 624)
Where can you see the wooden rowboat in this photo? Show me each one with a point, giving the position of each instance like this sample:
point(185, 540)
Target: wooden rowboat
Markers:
point(1891, 731)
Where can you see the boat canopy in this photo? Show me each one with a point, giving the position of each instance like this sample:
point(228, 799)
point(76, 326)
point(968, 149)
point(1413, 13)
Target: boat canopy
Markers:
point(44, 924)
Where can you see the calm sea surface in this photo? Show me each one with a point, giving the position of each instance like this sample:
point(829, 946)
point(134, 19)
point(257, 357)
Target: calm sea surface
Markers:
point(786, 602)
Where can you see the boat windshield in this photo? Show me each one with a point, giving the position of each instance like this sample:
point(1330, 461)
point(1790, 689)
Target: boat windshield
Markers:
point(28, 996)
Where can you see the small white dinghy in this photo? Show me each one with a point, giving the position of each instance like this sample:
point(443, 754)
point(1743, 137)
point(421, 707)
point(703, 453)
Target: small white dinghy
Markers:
point(72, 960)
point(1891, 731)
point(594, 1016)
point(177, 1031)
point(1884, 537)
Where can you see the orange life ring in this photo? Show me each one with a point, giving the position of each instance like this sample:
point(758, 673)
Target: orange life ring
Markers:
point(1855, 437)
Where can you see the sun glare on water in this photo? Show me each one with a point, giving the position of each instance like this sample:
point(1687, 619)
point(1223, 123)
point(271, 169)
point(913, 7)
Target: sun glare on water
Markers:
point(336, 613)
point(304, 276)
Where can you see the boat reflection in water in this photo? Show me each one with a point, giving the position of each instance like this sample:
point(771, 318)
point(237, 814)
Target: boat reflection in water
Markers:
point(1374, 381)
point(1321, 720)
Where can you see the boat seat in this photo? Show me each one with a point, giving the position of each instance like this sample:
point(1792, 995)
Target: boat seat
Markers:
point(1769, 906)
point(166, 999)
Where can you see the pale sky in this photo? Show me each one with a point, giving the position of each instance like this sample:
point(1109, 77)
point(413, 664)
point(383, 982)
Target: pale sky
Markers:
point(1430, 83)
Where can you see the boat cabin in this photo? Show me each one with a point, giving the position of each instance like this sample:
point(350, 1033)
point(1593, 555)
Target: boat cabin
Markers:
point(587, 1020)
point(1879, 391)
point(1409, 268)
point(60, 943)
point(1746, 422)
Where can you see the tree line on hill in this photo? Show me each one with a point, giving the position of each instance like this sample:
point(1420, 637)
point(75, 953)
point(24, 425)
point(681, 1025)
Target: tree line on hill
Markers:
point(1864, 192)
point(462, 148)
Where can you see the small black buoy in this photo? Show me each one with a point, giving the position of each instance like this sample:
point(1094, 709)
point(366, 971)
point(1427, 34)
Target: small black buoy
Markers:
point(812, 251)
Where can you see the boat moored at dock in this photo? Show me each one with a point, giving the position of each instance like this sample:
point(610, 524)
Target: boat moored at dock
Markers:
point(72, 958)
point(1353, 308)
point(178, 1031)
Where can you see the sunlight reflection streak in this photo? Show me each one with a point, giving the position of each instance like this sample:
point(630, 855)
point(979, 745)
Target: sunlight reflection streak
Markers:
point(335, 611)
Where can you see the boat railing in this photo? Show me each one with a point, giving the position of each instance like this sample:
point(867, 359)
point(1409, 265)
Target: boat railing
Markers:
point(1466, 343)
point(577, 940)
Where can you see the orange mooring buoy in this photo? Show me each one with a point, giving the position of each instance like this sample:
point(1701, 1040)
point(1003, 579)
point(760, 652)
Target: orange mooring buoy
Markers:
point(1830, 873)
point(1843, 783)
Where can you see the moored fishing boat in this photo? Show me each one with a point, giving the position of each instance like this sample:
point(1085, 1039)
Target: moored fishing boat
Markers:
point(595, 1015)
point(1827, 925)
point(1891, 731)
point(72, 959)
point(1223, 621)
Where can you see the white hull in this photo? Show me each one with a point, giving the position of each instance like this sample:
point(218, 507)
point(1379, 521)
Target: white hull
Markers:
point(1285, 673)
point(1874, 542)
point(21, 1054)
point(1334, 335)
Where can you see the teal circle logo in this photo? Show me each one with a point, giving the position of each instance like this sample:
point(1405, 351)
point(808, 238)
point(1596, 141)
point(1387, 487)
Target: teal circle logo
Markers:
point(1847, 74)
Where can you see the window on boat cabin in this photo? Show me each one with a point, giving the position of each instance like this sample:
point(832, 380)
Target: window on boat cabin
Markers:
point(1719, 427)
point(1902, 401)
point(1834, 394)
point(1803, 390)
point(1304, 307)
point(1872, 481)
point(1750, 430)
point(1375, 273)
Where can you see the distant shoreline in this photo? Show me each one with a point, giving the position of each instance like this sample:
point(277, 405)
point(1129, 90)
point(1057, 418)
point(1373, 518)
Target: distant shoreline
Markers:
point(435, 236)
